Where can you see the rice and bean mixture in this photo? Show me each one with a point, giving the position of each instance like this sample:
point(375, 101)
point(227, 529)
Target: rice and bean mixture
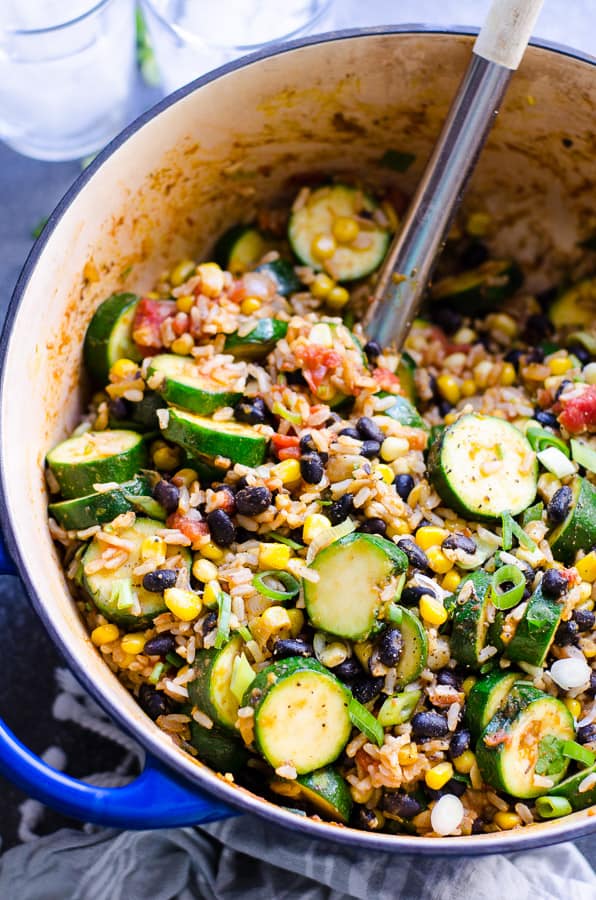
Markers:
point(290, 528)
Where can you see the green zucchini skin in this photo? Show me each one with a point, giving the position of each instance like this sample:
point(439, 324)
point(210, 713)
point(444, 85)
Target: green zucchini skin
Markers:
point(504, 761)
point(108, 337)
point(578, 531)
point(405, 372)
point(96, 509)
point(470, 624)
point(240, 248)
point(403, 411)
point(259, 342)
point(300, 714)
point(207, 439)
point(218, 749)
point(414, 655)
point(325, 790)
point(479, 290)
point(210, 689)
point(575, 306)
point(486, 698)
point(282, 273)
point(183, 387)
point(77, 477)
point(536, 629)
point(569, 788)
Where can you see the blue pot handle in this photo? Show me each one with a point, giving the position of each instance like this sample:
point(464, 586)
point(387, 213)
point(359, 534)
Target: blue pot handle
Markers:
point(155, 799)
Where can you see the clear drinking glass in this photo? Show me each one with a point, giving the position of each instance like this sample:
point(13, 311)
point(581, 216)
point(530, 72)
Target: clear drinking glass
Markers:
point(191, 37)
point(66, 74)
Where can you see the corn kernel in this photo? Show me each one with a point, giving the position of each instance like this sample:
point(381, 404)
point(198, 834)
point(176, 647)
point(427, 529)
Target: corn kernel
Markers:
point(250, 305)
point(450, 418)
point(468, 684)
point(506, 820)
point(211, 594)
point(155, 549)
point(448, 388)
point(464, 762)
point(451, 581)
point(166, 458)
point(468, 387)
point(274, 556)
point(503, 323)
point(313, 524)
point(585, 591)
point(185, 303)
point(430, 536)
point(104, 634)
point(321, 286)
point(574, 707)
point(185, 477)
point(587, 567)
point(345, 229)
point(407, 754)
point(183, 604)
point(182, 272)
point(432, 610)
point(212, 279)
point(296, 621)
point(211, 551)
point(321, 334)
point(559, 365)
point(276, 618)
point(204, 570)
point(464, 336)
point(323, 246)
point(438, 776)
point(393, 447)
point(337, 297)
point(123, 369)
point(287, 471)
point(133, 643)
point(386, 473)
point(182, 345)
point(508, 374)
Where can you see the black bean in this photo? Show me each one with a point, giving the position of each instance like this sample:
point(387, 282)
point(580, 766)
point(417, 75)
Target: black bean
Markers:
point(514, 357)
point(160, 644)
point(553, 583)
point(350, 432)
point(372, 350)
point(154, 703)
point(243, 535)
point(390, 646)
point(546, 419)
point(427, 725)
point(448, 319)
point(566, 633)
point(209, 622)
point(559, 504)
point(478, 825)
point(221, 528)
point(295, 377)
point(453, 786)
point(446, 676)
point(404, 485)
point(307, 444)
point(536, 354)
point(286, 647)
point(592, 688)
point(474, 255)
point(460, 742)
point(373, 526)
point(368, 819)
point(538, 327)
point(562, 387)
point(582, 354)
point(167, 495)
point(341, 508)
point(159, 580)
point(365, 688)
point(416, 556)
point(398, 803)
point(586, 734)
point(369, 430)
point(585, 619)
point(118, 408)
point(459, 541)
point(413, 593)
point(312, 468)
point(348, 670)
point(445, 407)
point(251, 410)
point(370, 449)
point(251, 501)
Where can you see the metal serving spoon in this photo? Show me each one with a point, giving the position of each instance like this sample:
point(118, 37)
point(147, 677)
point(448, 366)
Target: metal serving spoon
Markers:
point(497, 53)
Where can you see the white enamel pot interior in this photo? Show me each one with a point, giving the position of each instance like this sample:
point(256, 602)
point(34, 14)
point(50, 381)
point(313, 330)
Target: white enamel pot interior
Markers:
point(208, 157)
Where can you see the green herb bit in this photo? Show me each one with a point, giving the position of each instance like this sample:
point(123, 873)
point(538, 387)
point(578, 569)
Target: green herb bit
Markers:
point(224, 602)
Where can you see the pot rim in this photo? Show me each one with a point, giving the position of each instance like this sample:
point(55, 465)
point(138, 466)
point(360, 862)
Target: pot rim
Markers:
point(539, 835)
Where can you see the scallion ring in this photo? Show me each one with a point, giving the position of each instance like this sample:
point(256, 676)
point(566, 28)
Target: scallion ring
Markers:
point(553, 807)
point(291, 585)
point(506, 599)
point(581, 754)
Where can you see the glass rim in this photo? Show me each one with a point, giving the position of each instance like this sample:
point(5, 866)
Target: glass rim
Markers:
point(23, 32)
point(192, 36)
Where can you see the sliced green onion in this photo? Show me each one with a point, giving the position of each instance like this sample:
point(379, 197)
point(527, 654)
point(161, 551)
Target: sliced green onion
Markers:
point(365, 722)
point(511, 597)
point(282, 539)
point(581, 754)
point(243, 676)
point(244, 632)
point(291, 585)
point(398, 709)
point(556, 462)
point(507, 536)
point(175, 660)
point(540, 439)
point(532, 514)
point(121, 593)
point(280, 410)
point(146, 505)
point(399, 587)
point(553, 807)
point(583, 455)
point(394, 614)
point(156, 672)
point(524, 539)
point(224, 601)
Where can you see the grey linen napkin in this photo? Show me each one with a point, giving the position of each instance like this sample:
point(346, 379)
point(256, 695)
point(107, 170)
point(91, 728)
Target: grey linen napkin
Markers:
point(247, 858)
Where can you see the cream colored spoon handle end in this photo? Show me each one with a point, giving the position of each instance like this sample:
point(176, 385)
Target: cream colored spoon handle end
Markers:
point(507, 31)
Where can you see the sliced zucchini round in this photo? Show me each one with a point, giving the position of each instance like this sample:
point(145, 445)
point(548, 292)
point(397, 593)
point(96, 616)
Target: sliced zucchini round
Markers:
point(403, 411)
point(198, 435)
point(576, 306)
point(96, 457)
point(346, 600)
point(570, 789)
point(95, 509)
point(483, 466)
point(210, 690)
point(109, 336)
point(142, 416)
point(282, 273)
point(520, 738)
point(240, 248)
point(300, 714)
point(317, 217)
point(414, 654)
point(536, 629)
point(486, 698)
point(470, 618)
point(117, 593)
point(218, 748)
point(481, 289)
point(578, 530)
point(325, 790)
point(257, 343)
point(184, 386)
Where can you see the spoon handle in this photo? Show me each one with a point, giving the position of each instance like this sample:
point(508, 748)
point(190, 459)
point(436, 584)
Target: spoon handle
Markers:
point(409, 263)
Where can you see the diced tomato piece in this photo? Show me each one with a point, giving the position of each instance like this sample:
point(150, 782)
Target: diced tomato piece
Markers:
point(148, 319)
point(280, 441)
point(190, 524)
point(579, 411)
point(316, 361)
point(386, 380)
point(238, 292)
point(289, 453)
